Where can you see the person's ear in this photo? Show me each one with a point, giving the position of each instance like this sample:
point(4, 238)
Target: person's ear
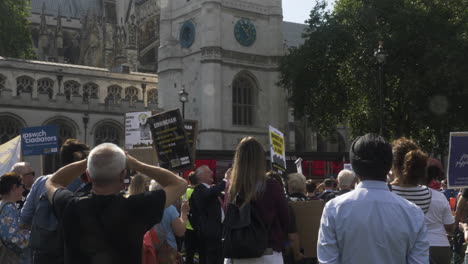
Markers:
point(88, 177)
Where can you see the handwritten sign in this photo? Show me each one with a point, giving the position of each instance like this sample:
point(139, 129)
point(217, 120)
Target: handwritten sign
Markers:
point(457, 172)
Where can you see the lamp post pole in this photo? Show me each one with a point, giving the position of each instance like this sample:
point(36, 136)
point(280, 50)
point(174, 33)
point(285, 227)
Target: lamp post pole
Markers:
point(183, 98)
point(380, 57)
point(85, 124)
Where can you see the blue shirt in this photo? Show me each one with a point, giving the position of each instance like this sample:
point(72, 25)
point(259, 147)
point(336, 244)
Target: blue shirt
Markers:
point(29, 208)
point(164, 228)
point(372, 225)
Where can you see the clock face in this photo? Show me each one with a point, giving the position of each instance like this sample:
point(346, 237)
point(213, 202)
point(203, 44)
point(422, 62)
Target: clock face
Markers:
point(245, 32)
point(187, 34)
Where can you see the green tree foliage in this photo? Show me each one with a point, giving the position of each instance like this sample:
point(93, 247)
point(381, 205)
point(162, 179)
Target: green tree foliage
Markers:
point(333, 78)
point(15, 35)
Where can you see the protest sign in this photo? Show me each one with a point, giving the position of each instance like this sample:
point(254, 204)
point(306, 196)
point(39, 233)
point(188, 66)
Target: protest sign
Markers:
point(137, 131)
point(298, 163)
point(457, 172)
point(170, 141)
point(41, 140)
point(138, 139)
point(308, 216)
point(347, 166)
point(10, 153)
point(277, 151)
point(191, 130)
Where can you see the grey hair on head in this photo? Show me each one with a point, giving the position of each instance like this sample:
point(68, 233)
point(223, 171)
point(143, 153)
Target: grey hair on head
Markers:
point(105, 163)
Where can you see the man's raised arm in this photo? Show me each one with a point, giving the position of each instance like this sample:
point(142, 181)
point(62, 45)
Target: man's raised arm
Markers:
point(64, 176)
point(173, 185)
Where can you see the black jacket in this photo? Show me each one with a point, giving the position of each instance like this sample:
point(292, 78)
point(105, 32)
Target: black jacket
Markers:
point(205, 210)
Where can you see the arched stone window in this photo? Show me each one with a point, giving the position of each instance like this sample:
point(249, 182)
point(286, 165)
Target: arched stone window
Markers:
point(153, 96)
point(131, 95)
point(45, 86)
point(333, 143)
point(114, 94)
point(10, 127)
point(66, 130)
point(90, 90)
point(71, 88)
point(243, 100)
point(2, 82)
point(24, 84)
point(107, 132)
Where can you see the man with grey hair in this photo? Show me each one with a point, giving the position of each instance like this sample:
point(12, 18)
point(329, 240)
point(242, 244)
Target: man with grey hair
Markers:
point(345, 181)
point(105, 227)
point(29, 176)
point(206, 214)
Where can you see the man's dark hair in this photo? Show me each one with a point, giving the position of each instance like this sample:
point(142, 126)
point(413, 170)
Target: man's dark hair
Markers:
point(433, 172)
point(310, 186)
point(371, 157)
point(73, 150)
point(193, 178)
point(329, 183)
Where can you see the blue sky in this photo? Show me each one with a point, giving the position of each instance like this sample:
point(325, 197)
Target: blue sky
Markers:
point(297, 10)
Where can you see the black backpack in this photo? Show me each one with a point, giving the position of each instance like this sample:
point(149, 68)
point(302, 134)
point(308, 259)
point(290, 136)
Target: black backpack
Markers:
point(244, 235)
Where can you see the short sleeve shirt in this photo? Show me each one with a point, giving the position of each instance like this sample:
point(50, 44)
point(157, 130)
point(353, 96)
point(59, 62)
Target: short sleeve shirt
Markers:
point(164, 229)
point(106, 229)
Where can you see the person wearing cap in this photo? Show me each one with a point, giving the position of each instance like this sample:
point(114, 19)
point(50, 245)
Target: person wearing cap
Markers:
point(371, 224)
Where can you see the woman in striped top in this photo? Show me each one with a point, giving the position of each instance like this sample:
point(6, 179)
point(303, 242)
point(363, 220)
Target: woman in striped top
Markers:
point(409, 168)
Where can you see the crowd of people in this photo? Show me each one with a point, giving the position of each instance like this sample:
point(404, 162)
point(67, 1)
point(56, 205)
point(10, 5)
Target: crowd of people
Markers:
point(393, 207)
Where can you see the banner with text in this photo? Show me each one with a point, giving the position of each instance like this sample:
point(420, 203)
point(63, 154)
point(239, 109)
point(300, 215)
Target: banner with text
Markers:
point(10, 153)
point(137, 131)
point(170, 141)
point(277, 151)
point(41, 140)
point(457, 173)
point(191, 130)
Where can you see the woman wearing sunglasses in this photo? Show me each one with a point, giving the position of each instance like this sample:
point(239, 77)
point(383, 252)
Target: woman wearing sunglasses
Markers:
point(12, 239)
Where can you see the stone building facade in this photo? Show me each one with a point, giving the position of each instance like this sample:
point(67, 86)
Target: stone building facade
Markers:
point(87, 103)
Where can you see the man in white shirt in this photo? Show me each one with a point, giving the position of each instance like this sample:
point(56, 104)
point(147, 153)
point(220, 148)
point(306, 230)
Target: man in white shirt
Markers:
point(372, 224)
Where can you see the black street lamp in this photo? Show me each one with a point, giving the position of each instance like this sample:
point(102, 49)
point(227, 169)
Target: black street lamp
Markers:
point(85, 123)
point(380, 57)
point(143, 87)
point(59, 79)
point(183, 98)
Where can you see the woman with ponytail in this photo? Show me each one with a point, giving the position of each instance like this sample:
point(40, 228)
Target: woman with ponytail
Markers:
point(409, 167)
point(250, 186)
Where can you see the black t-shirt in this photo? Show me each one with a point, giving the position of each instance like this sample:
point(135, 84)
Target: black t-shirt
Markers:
point(106, 229)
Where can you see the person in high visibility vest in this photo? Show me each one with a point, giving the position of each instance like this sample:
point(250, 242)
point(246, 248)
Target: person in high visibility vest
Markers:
point(191, 237)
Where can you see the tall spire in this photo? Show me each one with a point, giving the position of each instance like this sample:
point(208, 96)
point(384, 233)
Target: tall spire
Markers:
point(43, 25)
point(59, 21)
